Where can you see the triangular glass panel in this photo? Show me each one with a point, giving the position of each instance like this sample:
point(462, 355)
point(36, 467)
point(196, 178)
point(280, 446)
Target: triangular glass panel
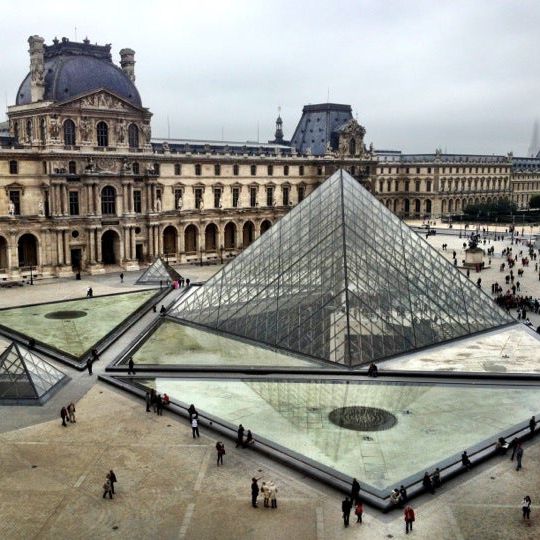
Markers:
point(159, 272)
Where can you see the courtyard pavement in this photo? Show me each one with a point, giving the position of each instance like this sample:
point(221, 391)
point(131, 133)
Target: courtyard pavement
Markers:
point(169, 485)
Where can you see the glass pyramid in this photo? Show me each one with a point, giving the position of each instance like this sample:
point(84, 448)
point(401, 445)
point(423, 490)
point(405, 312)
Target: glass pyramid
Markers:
point(159, 271)
point(341, 278)
point(25, 376)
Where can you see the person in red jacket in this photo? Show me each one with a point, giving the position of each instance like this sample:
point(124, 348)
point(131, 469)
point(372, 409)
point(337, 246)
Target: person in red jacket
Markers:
point(408, 514)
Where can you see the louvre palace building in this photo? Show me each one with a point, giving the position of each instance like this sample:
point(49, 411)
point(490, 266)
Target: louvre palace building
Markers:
point(85, 186)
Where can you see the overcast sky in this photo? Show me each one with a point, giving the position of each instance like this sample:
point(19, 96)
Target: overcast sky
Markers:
point(461, 75)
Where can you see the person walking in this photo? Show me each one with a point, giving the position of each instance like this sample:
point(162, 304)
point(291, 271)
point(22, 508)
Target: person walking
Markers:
point(71, 412)
point(153, 400)
point(159, 405)
point(220, 449)
point(428, 484)
point(148, 401)
point(112, 479)
point(240, 436)
point(526, 507)
point(131, 366)
point(358, 511)
point(273, 494)
point(63, 415)
point(89, 363)
point(514, 443)
point(519, 457)
point(254, 491)
point(122, 277)
point(107, 488)
point(408, 515)
point(195, 427)
point(532, 424)
point(355, 490)
point(346, 506)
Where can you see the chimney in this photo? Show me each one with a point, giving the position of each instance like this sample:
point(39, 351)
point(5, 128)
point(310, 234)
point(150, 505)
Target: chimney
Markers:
point(127, 62)
point(37, 68)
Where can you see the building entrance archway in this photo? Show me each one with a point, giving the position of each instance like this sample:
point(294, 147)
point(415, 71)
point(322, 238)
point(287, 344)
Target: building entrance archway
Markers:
point(230, 235)
point(3, 254)
point(248, 233)
point(170, 237)
point(28, 250)
point(110, 247)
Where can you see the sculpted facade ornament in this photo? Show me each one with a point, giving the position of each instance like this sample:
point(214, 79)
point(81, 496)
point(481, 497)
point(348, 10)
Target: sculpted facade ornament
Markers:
point(11, 208)
point(121, 131)
point(147, 132)
point(85, 128)
point(54, 127)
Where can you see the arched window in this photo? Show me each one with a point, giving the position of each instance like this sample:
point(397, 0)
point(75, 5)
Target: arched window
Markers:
point(102, 131)
point(352, 147)
point(133, 136)
point(108, 201)
point(69, 133)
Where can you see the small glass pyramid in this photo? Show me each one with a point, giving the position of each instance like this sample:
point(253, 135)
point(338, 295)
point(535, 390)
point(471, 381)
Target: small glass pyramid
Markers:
point(341, 278)
point(159, 271)
point(25, 376)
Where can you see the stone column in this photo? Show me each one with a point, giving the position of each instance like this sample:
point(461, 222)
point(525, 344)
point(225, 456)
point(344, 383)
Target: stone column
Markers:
point(125, 209)
point(89, 199)
point(65, 200)
point(67, 252)
point(98, 245)
point(127, 243)
point(97, 202)
point(150, 240)
point(133, 243)
point(130, 197)
point(92, 246)
point(13, 252)
point(60, 247)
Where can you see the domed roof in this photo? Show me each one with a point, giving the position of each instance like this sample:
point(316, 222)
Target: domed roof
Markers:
point(72, 69)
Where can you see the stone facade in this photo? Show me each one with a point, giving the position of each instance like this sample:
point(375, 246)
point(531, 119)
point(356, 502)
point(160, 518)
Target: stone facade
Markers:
point(85, 187)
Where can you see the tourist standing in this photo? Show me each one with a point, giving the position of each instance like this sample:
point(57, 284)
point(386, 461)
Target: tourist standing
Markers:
point(346, 506)
point(519, 457)
point(89, 363)
point(122, 277)
point(273, 494)
point(403, 494)
point(192, 412)
point(359, 510)
point(526, 507)
point(240, 436)
point(159, 405)
point(428, 484)
point(107, 488)
point(195, 427)
point(254, 492)
point(465, 461)
point(148, 401)
point(532, 424)
point(63, 415)
point(355, 490)
point(266, 495)
point(71, 412)
point(131, 366)
point(409, 517)
point(220, 449)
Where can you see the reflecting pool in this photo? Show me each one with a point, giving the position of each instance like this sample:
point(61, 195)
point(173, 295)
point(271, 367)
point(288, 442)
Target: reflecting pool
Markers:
point(174, 343)
point(434, 422)
point(75, 325)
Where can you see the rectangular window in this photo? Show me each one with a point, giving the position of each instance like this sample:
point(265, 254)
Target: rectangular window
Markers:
point(252, 196)
point(286, 196)
point(15, 198)
point(301, 193)
point(217, 198)
point(269, 196)
point(137, 201)
point(428, 185)
point(301, 170)
point(177, 169)
point(13, 167)
point(286, 170)
point(235, 196)
point(177, 197)
point(198, 198)
point(73, 203)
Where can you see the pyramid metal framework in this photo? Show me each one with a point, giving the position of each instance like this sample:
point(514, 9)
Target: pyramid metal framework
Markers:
point(159, 271)
point(24, 376)
point(343, 279)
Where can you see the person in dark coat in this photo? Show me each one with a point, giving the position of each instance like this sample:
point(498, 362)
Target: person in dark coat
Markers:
point(148, 402)
point(162, 310)
point(436, 478)
point(254, 491)
point(89, 363)
point(192, 412)
point(403, 494)
point(240, 436)
point(131, 366)
point(63, 415)
point(428, 485)
point(346, 506)
point(355, 491)
point(532, 424)
point(159, 405)
point(112, 479)
point(250, 441)
point(220, 449)
point(519, 457)
point(465, 461)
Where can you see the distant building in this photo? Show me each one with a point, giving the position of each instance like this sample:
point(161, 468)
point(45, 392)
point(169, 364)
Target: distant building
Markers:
point(86, 187)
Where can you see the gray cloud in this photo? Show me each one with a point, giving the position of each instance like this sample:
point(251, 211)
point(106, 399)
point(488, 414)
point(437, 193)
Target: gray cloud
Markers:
point(419, 74)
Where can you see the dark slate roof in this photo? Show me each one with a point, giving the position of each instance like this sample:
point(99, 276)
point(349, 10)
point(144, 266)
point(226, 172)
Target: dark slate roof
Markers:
point(319, 126)
point(72, 69)
point(195, 146)
point(526, 164)
point(393, 156)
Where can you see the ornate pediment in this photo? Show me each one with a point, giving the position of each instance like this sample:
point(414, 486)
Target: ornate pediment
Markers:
point(102, 100)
